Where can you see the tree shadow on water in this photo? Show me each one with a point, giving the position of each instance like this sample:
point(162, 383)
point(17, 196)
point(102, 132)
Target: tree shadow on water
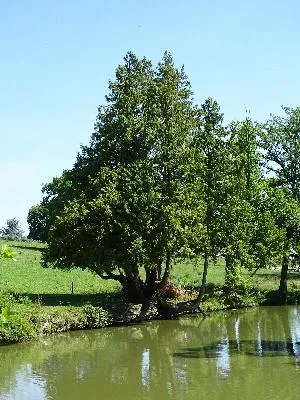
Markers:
point(262, 348)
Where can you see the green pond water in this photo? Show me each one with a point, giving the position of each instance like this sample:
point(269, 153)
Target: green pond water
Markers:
point(246, 354)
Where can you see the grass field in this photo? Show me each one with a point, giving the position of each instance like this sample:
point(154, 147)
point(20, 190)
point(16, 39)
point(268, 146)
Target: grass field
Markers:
point(26, 276)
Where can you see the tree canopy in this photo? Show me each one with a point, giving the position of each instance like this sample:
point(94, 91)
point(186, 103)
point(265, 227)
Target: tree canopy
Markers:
point(131, 201)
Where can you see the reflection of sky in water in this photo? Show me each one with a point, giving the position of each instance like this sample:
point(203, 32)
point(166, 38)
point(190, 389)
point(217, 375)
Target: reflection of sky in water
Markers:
point(223, 357)
point(28, 386)
point(259, 342)
point(82, 370)
point(181, 376)
point(237, 333)
point(145, 367)
point(295, 333)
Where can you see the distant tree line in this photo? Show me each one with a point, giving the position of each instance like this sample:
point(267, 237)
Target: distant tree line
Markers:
point(165, 179)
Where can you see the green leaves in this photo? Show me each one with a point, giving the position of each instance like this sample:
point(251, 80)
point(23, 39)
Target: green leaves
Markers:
point(5, 252)
point(280, 139)
point(129, 200)
point(5, 316)
point(38, 221)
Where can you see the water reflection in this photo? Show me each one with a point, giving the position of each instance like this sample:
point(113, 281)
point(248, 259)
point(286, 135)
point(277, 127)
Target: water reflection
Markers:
point(223, 357)
point(217, 357)
point(145, 367)
point(224, 350)
point(26, 385)
point(281, 325)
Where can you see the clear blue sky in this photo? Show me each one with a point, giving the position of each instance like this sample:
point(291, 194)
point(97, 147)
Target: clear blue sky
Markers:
point(57, 57)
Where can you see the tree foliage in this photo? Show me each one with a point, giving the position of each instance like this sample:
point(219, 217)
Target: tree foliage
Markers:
point(130, 201)
point(12, 230)
point(281, 142)
point(38, 221)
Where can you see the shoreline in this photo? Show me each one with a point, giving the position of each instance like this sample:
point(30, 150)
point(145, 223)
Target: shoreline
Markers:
point(27, 320)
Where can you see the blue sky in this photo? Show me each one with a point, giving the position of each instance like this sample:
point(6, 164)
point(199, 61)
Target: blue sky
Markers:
point(57, 58)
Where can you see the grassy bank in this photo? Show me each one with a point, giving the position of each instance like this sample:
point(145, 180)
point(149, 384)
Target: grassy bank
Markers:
point(39, 301)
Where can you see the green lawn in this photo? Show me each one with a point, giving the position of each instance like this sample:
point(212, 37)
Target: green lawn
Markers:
point(190, 275)
point(52, 286)
point(26, 276)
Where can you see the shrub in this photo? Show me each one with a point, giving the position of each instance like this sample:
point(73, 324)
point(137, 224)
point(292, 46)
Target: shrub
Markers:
point(15, 328)
point(96, 317)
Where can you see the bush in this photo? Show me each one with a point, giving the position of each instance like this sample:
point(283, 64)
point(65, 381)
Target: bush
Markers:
point(15, 328)
point(96, 317)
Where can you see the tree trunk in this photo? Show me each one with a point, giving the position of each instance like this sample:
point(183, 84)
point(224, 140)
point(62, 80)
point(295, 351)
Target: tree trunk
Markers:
point(152, 286)
point(166, 275)
point(159, 269)
point(203, 283)
point(228, 271)
point(133, 287)
point(282, 291)
point(169, 309)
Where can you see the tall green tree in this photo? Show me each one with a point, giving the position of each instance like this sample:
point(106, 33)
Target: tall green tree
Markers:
point(237, 214)
point(254, 213)
point(129, 203)
point(211, 171)
point(228, 173)
point(280, 140)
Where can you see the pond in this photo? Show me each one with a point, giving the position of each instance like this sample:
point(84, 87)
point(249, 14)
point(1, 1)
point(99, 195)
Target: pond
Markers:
point(245, 354)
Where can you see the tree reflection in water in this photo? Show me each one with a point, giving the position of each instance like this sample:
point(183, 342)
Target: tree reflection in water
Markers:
point(214, 357)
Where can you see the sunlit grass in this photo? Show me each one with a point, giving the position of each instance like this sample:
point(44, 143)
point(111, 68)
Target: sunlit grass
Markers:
point(26, 275)
point(190, 274)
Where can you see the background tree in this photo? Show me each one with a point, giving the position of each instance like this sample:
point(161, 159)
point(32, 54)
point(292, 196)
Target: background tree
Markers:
point(237, 219)
point(12, 230)
point(267, 235)
point(38, 221)
point(280, 140)
point(211, 171)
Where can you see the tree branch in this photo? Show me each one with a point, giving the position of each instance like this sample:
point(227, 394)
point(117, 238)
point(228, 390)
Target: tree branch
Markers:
point(110, 275)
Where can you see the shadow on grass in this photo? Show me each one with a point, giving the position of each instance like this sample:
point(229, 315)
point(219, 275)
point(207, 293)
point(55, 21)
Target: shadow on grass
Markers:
point(292, 274)
point(34, 248)
point(77, 300)
point(271, 274)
